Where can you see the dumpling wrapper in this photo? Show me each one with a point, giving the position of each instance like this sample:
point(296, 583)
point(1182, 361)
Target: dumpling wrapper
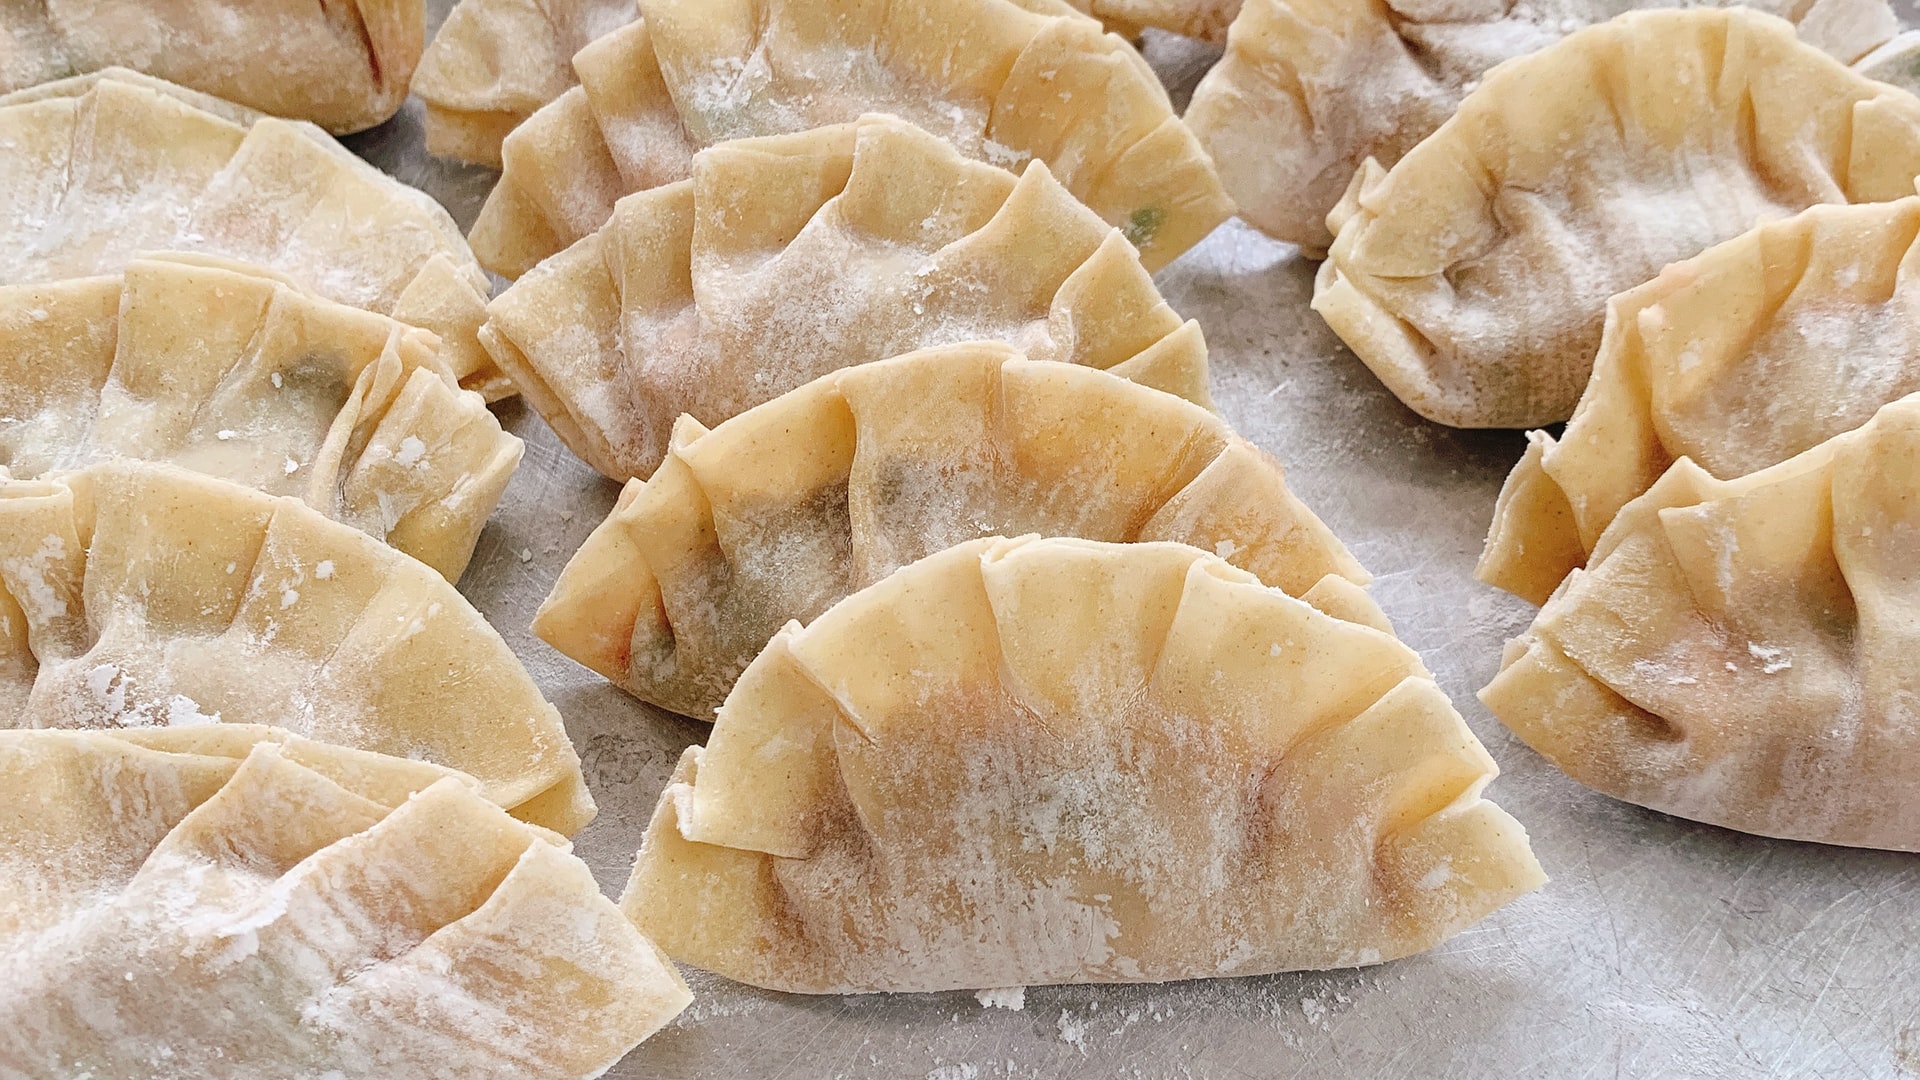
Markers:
point(1057, 761)
point(1002, 81)
point(787, 508)
point(139, 595)
point(1473, 277)
point(343, 66)
point(261, 905)
point(1741, 652)
point(1310, 89)
point(1737, 359)
point(1204, 19)
point(496, 61)
point(787, 257)
point(103, 168)
point(230, 370)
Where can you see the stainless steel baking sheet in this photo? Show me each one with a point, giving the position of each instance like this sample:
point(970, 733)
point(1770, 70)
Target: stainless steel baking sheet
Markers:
point(1661, 948)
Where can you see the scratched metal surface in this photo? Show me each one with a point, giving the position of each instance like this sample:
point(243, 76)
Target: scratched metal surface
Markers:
point(1660, 947)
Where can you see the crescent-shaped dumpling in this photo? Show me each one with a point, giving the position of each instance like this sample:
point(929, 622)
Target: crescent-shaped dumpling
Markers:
point(780, 512)
point(787, 257)
point(1050, 761)
point(1741, 652)
point(1473, 277)
point(259, 905)
point(1001, 81)
point(230, 370)
point(139, 595)
point(1753, 351)
point(343, 66)
point(105, 167)
point(1310, 89)
point(495, 61)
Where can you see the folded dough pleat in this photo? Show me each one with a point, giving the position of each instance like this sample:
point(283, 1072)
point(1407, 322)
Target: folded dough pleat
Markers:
point(1039, 761)
point(788, 257)
point(1736, 651)
point(782, 511)
point(159, 597)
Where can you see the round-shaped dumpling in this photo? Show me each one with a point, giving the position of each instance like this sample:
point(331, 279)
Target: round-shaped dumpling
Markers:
point(1053, 761)
point(103, 168)
point(1005, 81)
point(788, 257)
point(495, 61)
point(1741, 652)
point(1473, 277)
point(342, 66)
point(1310, 89)
point(780, 512)
point(230, 370)
point(138, 595)
point(250, 904)
point(1754, 351)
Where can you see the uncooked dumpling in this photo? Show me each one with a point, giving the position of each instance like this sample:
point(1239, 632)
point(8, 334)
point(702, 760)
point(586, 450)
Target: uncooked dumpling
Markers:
point(137, 595)
point(344, 66)
point(495, 61)
point(1050, 761)
point(225, 369)
point(1473, 278)
point(786, 508)
point(788, 257)
point(1754, 351)
point(1003, 83)
point(1310, 89)
point(1741, 652)
point(102, 168)
point(1203, 19)
point(274, 907)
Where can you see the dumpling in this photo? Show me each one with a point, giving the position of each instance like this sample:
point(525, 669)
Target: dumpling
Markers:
point(1310, 89)
point(788, 257)
point(780, 512)
point(1051, 761)
point(1741, 652)
point(1002, 82)
point(1473, 277)
point(1754, 351)
point(1203, 19)
point(105, 167)
point(138, 595)
point(229, 370)
point(495, 61)
point(266, 906)
point(343, 66)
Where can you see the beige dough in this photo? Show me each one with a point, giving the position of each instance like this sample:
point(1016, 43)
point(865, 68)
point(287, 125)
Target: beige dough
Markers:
point(1741, 652)
point(139, 595)
point(230, 370)
point(1049, 761)
point(788, 257)
point(1753, 351)
point(1473, 277)
point(241, 904)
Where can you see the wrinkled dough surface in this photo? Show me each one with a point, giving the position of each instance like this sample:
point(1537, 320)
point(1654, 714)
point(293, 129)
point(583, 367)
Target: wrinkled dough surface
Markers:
point(1045, 761)
point(1310, 89)
point(495, 61)
point(279, 907)
point(1756, 350)
point(150, 596)
point(787, 508)
point(107, 167)
point(1473, 277)
point(225, 369)
point(1740, 652)
point(343, 66)
point(1003, 82)
point(789, 257)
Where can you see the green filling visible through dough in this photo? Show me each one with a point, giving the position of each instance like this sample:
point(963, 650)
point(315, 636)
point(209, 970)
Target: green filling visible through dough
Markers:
point(1143, 224)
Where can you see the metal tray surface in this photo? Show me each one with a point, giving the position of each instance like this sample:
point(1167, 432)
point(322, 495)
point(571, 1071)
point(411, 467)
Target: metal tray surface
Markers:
point(1660, 948)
